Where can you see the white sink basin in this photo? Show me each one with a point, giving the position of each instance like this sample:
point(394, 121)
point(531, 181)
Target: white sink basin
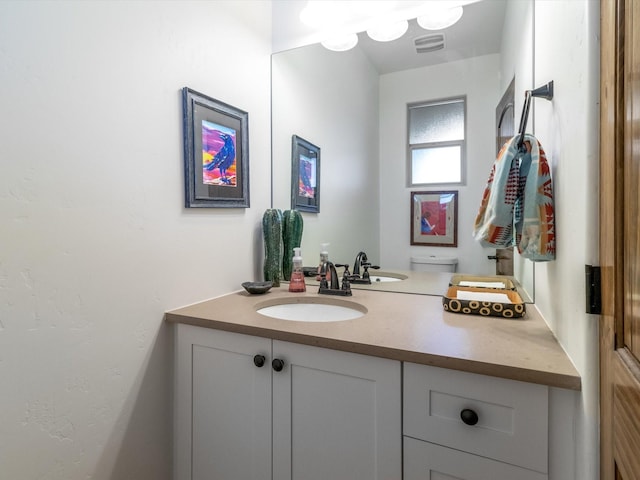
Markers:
point(380, 278)
point(387, 277)
point(311, 310)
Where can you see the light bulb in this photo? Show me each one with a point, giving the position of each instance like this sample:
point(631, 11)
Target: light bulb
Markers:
point(440, 18)
point(341, 43)
point(389, 31)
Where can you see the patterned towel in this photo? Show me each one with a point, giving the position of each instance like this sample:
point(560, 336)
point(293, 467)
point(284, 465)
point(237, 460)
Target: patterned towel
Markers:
point(517, 203)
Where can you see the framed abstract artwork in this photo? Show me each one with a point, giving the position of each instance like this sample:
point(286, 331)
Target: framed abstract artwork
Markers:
point(216, 152)
point(305, 175)
point(434, 218)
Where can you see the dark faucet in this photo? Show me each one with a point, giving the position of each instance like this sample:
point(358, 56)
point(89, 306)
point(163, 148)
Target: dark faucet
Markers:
point(362, 261)
point(360, 258)
point(332, 285)
point(328, 269)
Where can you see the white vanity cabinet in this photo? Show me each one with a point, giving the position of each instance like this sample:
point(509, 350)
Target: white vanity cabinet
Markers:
point(320, 414)
point(465, 426)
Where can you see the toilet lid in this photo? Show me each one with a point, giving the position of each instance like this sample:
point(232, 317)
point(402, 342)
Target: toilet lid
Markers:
point(435, 260)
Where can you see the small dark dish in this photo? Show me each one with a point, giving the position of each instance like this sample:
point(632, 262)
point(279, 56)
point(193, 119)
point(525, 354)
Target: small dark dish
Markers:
point(257, 287)
point(309, 271)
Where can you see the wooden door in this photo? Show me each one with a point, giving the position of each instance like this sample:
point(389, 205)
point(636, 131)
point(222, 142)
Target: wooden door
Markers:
point(505, 129)
point(620, 239)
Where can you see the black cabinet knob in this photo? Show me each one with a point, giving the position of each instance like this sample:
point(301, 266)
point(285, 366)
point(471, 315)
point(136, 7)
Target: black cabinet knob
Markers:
point(277, 364)
point(259, 360)
point(469, 417)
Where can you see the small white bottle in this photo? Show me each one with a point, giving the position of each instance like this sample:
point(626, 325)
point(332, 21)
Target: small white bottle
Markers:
point(324, 258)
point(296, 283)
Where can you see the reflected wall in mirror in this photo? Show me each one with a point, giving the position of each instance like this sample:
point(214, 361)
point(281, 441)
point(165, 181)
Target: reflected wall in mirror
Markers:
point(358, 115)
point(331, 99)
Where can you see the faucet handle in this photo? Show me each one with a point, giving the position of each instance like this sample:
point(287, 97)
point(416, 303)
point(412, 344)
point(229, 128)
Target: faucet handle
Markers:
point(346, 277)
point(346, 268)
point(366, 267)
point(334, 287)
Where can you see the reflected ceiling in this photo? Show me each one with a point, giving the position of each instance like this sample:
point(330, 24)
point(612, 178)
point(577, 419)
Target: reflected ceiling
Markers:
point(477, 33)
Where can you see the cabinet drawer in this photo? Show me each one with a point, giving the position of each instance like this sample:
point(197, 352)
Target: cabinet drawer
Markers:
point(426, 461)
point(512, 416)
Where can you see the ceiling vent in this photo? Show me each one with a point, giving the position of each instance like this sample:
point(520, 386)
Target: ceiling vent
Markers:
point(429, 43)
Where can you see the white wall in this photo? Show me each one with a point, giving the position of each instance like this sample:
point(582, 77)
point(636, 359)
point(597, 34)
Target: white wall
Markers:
point(567, 52)
point(516, 59)
point(339, 114)
point(288, 31)
point(96, 243)
point(478, 79)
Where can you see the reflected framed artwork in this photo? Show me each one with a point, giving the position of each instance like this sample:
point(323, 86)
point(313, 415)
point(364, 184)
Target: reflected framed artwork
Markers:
point(216, 152)
point(305, 175)
point(434, 218)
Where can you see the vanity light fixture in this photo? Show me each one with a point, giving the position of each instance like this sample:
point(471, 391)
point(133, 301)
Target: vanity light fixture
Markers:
point(386, 32)
point(440, 18)
point(382, 20)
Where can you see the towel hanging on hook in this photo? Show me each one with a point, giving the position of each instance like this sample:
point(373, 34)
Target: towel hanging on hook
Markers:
point(517, 207)
point(546, 92)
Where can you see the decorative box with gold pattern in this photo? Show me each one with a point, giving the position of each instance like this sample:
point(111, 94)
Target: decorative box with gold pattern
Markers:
point(492, 302)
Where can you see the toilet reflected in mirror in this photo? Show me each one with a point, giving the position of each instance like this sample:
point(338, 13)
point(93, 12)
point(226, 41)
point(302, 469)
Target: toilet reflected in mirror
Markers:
point(434, 263)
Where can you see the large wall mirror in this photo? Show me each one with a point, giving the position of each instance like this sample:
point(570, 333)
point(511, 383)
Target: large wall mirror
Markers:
point(353, 105)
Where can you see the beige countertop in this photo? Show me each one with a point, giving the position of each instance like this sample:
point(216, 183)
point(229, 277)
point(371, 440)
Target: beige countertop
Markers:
point(405, 327)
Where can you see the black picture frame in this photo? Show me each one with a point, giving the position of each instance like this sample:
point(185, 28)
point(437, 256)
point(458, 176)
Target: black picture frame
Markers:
point(305, 175)
point(216, 152)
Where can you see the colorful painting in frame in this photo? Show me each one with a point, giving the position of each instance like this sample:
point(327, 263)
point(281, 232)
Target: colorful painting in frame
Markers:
point(434, 218)
point(216, 152)
point(305, 175)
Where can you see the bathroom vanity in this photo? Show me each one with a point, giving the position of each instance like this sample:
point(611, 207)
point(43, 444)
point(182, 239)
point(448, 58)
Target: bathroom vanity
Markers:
point(404, 391)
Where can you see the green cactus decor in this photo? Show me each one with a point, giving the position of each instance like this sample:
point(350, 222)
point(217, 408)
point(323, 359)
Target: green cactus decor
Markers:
point(292, 237)
point(272, 232)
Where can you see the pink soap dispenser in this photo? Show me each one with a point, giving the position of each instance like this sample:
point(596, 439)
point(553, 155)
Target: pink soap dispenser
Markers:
point(296, 283)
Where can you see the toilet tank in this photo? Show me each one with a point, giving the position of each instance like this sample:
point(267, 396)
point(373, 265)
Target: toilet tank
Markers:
point(434, 263)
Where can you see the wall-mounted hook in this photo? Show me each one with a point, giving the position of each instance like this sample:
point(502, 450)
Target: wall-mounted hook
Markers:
point(545, 91)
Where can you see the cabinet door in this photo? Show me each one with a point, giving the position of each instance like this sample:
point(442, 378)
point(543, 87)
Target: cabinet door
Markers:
point(336, 415)
point(427, 461)
point(223, 406)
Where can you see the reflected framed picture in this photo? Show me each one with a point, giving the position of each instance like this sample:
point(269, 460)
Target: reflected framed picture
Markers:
point(434, 218)
point(305, 175)
point(216, 152)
